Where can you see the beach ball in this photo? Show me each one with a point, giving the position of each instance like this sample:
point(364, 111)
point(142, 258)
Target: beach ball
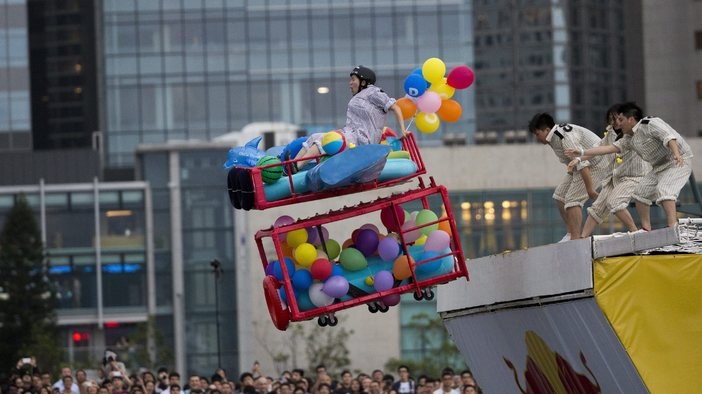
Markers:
point(333, 142)
point(271, 174)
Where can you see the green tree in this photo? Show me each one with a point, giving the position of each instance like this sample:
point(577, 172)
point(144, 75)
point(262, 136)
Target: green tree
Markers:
point(27, 306)
point(436, 350)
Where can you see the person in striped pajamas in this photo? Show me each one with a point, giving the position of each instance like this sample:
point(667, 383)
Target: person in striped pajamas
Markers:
point(661, 146)
point(575, 187)
point(626, 171)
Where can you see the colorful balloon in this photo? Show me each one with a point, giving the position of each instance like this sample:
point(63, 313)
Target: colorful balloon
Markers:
point(392, 221)
point(410, 235)
point(437, 241)
point(427, 123)
point(388, 249)
point(305, 254)
point(383, 280)
point(427, 216)
point(443, 90)
point(283, 220)
point(333, 249)
point(336, 286)
point(429, 102)
point(296, 237)
point(352, 259)
point(278, 270)
point(427, 267)
point(367, 242)
point(415, 85)
point(401, 267)
point(318, 297)
point(321, 269)
point(407, 106)
point(450, 111)
point(391, 299)
point(302, 279)
point(460, 77)
point(433, 69)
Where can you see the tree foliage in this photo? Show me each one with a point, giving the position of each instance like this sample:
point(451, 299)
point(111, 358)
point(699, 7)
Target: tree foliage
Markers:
point(434, 348)
point(27, 307)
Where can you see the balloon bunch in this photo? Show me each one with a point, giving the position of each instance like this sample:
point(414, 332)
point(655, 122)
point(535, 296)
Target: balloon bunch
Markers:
point(429, 94)
point(323, 271)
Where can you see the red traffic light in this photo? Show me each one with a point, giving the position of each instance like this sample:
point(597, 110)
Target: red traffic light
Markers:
point(80, 336)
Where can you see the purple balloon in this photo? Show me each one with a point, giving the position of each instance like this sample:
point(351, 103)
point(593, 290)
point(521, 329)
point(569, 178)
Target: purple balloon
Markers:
point(437, 241)
point(367, 242)
point(336, 286)
point(388, 249)
point(391, 299)
point(383, 280)
point(269, 268)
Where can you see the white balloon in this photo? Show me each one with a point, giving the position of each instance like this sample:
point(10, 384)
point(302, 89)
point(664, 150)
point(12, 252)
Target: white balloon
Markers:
point(318, 297)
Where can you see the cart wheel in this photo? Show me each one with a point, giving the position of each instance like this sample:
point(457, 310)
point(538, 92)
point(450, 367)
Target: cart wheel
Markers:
point(382, 307)
point(322, 321)
point(372, 308)
point(280, 316)
point(418, 295)
point(333, 321)
point(428, 294)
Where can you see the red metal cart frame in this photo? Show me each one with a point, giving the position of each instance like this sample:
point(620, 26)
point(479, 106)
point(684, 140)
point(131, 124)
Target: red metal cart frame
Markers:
point(282, 314)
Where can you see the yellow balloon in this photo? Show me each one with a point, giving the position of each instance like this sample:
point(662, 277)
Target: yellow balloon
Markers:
point(297, 237)
point(443, 90)
point(305, 254)
point(426, 123)
point(433, 70)
point(421, 240)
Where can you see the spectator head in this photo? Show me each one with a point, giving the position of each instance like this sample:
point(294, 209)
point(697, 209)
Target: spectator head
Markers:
point(147, 376)
point(66, 371)
point(374, 387)
point(81, 376)
point(447, 380)
point(346, 377)
point(174, 378)
point(246, 379)
point(227, 388)
point(299, 390)
point(175, 388)
point(216, 378)
point(321, 368)
point(377, 375)
point(470, 389)
point(297, 374)
point(284, 388)
point(324, 388)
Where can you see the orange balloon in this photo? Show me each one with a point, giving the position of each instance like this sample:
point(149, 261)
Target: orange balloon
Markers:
point(444, 225)
point(286, 249)
point(401, 267)
point(408, 107)
point(347, 243)
point(450, 111)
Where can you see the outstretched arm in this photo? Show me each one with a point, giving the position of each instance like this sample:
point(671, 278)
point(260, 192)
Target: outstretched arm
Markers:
point(594, 151)
point(398, 116)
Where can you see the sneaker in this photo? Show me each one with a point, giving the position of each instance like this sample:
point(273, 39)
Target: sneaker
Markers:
point(640, 231)
point(565, 238)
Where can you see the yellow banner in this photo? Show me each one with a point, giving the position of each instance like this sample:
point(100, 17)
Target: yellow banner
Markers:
point(654, 304)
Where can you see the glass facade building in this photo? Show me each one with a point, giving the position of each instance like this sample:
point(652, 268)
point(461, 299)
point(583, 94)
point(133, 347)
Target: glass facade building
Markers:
point(184, 69)
point(566, 58)
point(15, 130)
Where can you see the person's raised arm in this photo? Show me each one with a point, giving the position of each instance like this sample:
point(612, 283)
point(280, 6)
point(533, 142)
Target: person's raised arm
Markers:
point(677, 158)
point(398, 117)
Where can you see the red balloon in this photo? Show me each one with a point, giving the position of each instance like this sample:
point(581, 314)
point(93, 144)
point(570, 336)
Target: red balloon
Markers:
point(388, 219)
point(321, 269)
point(460, 77)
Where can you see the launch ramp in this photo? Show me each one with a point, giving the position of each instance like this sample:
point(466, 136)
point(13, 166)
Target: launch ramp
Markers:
point(603, 314)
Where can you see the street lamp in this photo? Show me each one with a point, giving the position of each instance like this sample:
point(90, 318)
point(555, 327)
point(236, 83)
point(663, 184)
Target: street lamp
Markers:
point(217, 271)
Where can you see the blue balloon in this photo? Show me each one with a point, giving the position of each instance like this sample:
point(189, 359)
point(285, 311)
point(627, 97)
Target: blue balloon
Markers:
point(428, 267)
point(418, 71)
point(415, 85)
point(303, 301)
point(278, 270)
point(337, 270)
point(246, 155)
point(302, 279)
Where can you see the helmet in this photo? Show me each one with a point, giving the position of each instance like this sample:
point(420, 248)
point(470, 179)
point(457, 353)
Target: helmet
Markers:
point(364, 74)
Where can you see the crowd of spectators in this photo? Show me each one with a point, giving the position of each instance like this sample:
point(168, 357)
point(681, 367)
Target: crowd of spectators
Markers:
point(114, 379)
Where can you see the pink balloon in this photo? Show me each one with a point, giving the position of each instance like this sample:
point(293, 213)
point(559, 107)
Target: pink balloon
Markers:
point(412, 235)
point(283, 221)
point(460, 77)
point(437, 241)
point(429, 102)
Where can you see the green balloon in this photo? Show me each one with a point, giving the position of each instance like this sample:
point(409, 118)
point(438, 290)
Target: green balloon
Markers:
point(352, 259)
point(427, 216)
point(333, 248)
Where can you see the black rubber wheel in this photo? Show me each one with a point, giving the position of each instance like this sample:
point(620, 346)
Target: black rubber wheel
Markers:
point(322, 321)
point(428, 294)
point(372, 307)
point(382, 307)
point(333, 321)
point(418, 296)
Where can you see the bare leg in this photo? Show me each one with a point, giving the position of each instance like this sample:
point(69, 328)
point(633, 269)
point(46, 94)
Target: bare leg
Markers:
point(306, 153)
point(562, 211)
point(670, 212)
point(574, 217)
point(644, 212)
point(625, 217)
point(589, 227)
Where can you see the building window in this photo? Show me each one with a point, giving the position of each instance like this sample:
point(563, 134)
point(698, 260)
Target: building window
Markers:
point(698, 39)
